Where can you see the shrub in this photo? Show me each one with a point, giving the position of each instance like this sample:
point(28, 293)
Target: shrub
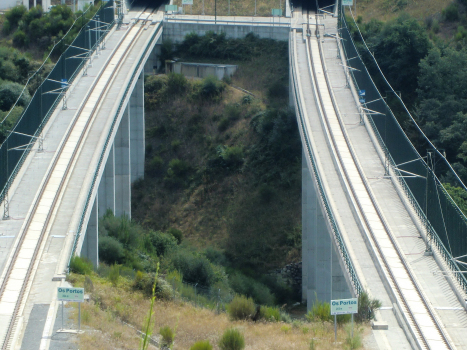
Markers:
point(211, 87)
point(194, 268)
point(20, 39)
point(201, 345)
point(176, 83)
point(241, 308)
point(223, 124)
point(155, 165)
point(9, 93)
point(114, 274)
point(354, 342)
point(451, 12)
point(178, 168)
point(232, 339)
point(233, 111)
point(321, 311)
point(272, 314)
point(79, 265)
point(15, 14)
point(6, 27)
point(250, 287)
point(162, 242)
point(167, 335)
point(366, 307)
point(110, 250)
point(178, 235)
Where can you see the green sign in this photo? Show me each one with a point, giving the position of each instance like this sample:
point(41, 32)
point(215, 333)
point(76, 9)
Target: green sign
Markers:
point(344, 306)
point(173, 8)
point(187, 2)
point(70, 294)
point(347, 2)
point(277, 12)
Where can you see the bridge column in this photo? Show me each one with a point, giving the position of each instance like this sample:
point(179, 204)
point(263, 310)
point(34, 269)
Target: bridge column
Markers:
point(90, 248)
point(137, 138)
point(122, 167)
point(106, 191)
point(322, 275)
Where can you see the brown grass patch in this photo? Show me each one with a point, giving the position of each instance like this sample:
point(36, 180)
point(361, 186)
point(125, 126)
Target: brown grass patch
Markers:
point(104, 330)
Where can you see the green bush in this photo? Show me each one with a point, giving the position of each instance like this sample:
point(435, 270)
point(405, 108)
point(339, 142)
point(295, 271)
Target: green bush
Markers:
point(252, 288)
point(114, 274)
point(176, 83)
point(162, 242)
point(320, 311)
point(195, 268)
point(233, 111)
point(155, 165)
point(167, 335)
point(178, 235)
point(224, 124)
point(272, 314)
point(241, 308)
point(366, 307)
point(201, 345)
point(178, 168)
point(232, 339)
point(110, 250)
point(6, 27)
point(20, 39)
point(82, 266)
point(9, 93)
point(15, 14)
point(145, 282)
point(451, 12)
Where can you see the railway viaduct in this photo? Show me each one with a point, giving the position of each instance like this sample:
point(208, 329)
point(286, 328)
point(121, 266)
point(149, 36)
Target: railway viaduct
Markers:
point(361, 230)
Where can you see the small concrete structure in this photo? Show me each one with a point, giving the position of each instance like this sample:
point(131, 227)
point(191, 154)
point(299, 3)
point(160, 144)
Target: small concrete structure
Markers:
point(200, 70)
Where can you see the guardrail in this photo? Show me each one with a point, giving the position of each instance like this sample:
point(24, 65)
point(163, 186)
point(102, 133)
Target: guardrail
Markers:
point(423, 188)
point(357, 286)
point(21, 139)
point(108, 140)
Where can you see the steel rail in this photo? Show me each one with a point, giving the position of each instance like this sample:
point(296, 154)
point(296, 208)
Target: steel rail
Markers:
point(18, 247)
point(402, 259)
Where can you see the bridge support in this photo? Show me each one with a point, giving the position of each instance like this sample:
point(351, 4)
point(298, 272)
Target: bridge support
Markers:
point(106, 192)
point(90, 248)
point(137, 141)
point(123, 167)
point(322, 275)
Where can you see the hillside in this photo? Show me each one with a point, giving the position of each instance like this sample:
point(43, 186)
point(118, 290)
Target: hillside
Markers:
point(223, 166)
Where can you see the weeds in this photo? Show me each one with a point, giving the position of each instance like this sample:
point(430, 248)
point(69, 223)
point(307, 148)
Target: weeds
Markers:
point(149, 322)
point(232, 339)
point(202, 345)
point(168, 336)
point(82, 266)
point(241, 308)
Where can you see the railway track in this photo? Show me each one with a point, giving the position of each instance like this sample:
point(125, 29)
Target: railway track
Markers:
point(17, 276)
point(422, 321)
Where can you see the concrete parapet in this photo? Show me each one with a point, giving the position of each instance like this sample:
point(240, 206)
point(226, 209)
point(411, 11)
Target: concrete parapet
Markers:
point(201, 70)
point(176, 31)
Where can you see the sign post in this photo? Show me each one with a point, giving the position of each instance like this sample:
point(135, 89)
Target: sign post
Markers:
point(73, 295)
point(343, 307)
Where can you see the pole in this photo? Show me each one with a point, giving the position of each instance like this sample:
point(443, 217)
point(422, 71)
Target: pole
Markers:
point(352, 326)
point(215, 12)
point(62, 316)
point(79, 317)
point(335, 328)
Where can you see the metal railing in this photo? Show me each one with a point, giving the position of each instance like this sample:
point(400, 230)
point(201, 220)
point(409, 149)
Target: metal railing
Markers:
point(88, 205)
point(357, 286)
point(48, 95)
point(421, 188)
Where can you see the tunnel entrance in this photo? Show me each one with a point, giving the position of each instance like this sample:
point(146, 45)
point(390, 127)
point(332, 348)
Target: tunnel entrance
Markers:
point(311, 4)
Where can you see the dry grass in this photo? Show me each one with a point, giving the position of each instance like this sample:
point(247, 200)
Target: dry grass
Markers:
point(237, 7)
point(388, 9)
point(101, 320)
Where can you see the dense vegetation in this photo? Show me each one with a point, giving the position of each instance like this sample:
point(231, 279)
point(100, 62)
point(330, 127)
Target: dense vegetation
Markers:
point(426, 63)
point(26, 38)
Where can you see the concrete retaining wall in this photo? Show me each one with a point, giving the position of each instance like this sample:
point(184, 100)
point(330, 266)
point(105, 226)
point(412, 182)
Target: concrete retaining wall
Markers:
point(177, 31)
